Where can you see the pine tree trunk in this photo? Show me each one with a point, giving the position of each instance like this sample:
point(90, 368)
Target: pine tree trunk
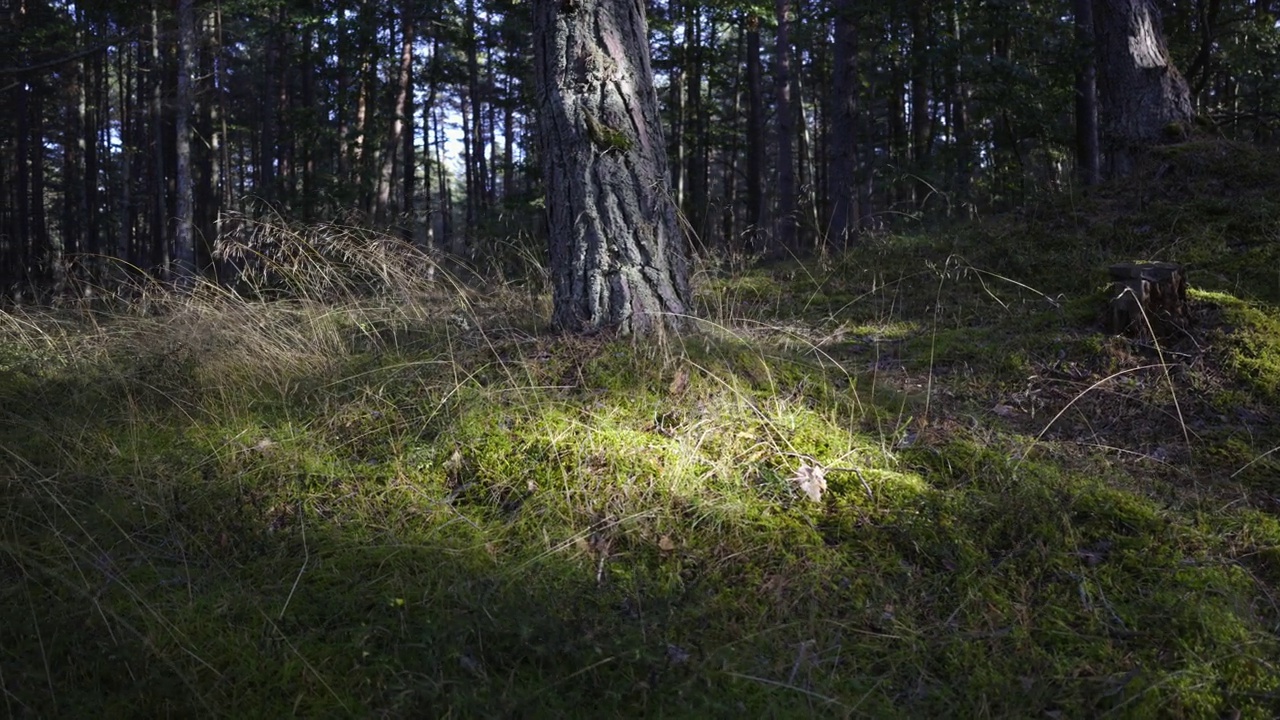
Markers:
point(22, 204)
point(921, 123)
point(159, 251)
point(401, 109)
point(617, 255)
point(696, 210)
point(755, 138)
point(184, 256)
point(784, 240)
point(1145, 101)
point(842, 157)
point(1087, 153)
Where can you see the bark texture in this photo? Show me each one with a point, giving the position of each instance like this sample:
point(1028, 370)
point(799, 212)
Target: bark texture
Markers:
point(1144, 98)
point(618, 258)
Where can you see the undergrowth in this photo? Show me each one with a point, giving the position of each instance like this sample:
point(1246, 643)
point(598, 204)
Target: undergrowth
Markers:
point(917, 480)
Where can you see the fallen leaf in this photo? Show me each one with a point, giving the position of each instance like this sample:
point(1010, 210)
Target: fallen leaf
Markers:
point(812, 480)
point(680, 382)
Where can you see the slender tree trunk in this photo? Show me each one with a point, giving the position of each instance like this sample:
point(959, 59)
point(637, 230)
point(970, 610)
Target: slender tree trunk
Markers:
point(1087, 154)
point(477, 192)
point(784, 239)
point(958, 109)
point(267, 184)
point(729, 217)
point(184, 256)
point(617, 254)
point(128, 138)
point(806, 197)
point(921, 122)
point(755, 138)
point(315, 120)
point(42, 250)
point(409, 168)
point(676, 88)
point(696, 209)
point(508, 148)
point(97, 83)
point(73, 208)
point(899, 141)
point(454, 242)
point(159, 257)
point(842, 146)
point(401, 109)
point(22, 205)
point(428, 134)
point(470, 183)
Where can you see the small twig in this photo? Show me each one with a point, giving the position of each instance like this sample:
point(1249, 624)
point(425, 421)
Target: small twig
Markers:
point(865, 485)
point(306, 557)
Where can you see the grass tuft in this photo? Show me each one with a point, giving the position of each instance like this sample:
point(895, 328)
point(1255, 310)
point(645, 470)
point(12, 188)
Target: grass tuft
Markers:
point(362, 487)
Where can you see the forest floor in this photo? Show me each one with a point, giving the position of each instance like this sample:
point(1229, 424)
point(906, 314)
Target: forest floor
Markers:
point(917, 480)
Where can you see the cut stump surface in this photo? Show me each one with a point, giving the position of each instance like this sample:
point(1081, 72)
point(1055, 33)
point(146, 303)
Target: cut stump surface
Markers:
point(1156, 290)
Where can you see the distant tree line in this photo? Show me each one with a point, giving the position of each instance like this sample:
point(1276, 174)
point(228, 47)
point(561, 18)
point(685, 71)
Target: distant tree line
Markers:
point(135, 138)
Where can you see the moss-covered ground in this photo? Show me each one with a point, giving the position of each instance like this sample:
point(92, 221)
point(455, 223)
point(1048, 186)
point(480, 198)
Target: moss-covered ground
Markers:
point(392, 496)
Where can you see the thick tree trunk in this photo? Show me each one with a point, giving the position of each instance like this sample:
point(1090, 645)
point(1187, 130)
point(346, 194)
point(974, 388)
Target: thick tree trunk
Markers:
point(617, 255)
point(1144, 99)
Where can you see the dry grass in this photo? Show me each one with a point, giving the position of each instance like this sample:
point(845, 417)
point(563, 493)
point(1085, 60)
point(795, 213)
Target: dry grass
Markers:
point(360, 487)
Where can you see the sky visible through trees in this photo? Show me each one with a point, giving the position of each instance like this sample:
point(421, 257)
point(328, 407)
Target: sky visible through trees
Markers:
point(790, 127)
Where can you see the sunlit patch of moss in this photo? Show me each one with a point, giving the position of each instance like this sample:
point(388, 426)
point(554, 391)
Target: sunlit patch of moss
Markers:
point(1250, 336)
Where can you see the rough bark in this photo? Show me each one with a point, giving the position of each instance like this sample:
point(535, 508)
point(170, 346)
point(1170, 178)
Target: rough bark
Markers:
point(1148, 297)
point(1144, 98)
point(617, 255)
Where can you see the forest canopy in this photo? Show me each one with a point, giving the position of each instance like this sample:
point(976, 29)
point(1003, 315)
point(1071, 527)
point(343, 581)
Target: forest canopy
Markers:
point(146, 139)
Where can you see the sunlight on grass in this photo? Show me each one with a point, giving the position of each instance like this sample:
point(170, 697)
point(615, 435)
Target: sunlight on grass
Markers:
point(362, 488)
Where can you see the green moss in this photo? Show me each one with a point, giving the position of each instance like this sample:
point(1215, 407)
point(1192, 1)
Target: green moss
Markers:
point(1250, 335)
point(428, 519)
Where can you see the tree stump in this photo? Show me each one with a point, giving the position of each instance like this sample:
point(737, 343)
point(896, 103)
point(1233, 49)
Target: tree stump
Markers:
point(1155, 290)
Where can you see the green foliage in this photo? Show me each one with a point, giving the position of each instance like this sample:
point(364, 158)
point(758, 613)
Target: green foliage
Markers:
point(388, 495)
